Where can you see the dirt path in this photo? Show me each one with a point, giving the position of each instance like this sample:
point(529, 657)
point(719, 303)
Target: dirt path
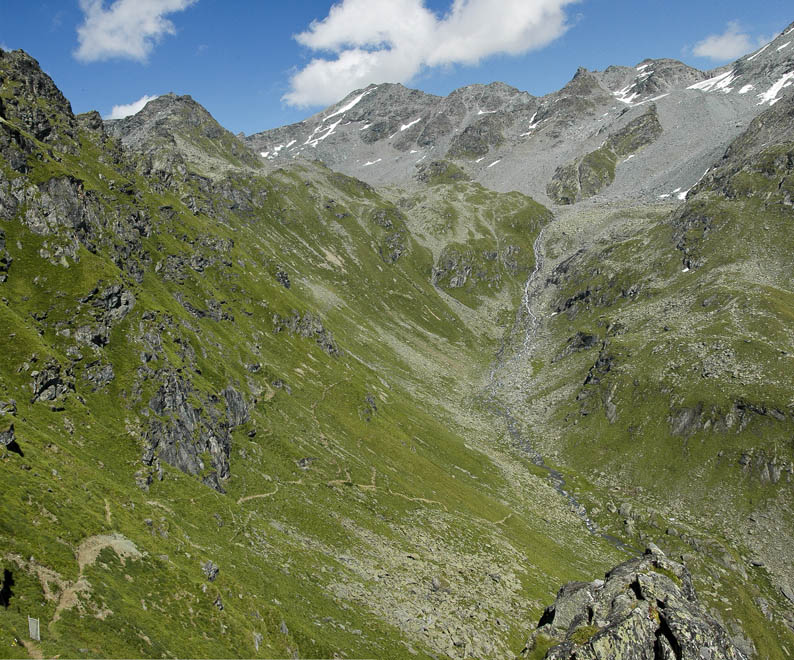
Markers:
point(256, 497)
point(33, 649)
point(87, 553)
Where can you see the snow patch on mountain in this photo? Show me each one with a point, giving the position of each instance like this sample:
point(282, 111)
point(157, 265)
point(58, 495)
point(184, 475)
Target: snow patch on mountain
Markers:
point(314, 141)
point(770, 96)
point(720, 82)
point(752, 57)
point(349, 106)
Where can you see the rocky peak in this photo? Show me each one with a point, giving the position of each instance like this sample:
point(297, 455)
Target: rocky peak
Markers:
point(162, 115)
point(31, 102)
point(584, 83)
point(649, 79)
point(761, 77)
point(171, 130)
point(662, 75)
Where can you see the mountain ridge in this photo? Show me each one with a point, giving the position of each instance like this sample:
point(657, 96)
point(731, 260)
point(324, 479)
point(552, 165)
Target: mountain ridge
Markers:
point(513, 127)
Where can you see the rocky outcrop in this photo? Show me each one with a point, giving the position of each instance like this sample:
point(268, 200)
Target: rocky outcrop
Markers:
point(645, 608)
point(307, 325)
point(592, 173)
point(5, 258)
point(109, 306)
point(8, 436)
point(393, 241)
point(440, 171)
point(193, 434)
point(51, 382)
point(478, 138)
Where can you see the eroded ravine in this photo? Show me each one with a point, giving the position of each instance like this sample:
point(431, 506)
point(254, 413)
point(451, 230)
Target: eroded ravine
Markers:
point(516, 349)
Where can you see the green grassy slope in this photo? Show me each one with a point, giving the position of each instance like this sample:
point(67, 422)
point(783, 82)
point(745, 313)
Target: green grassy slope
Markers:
point(278, 338)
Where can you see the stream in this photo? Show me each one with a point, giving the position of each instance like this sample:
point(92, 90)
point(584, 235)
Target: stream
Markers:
point(531, 322)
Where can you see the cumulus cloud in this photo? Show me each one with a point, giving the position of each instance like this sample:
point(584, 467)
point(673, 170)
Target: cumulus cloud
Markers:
point(729, 45)
point(127, 29)
point(121, 111)
point(366, 41)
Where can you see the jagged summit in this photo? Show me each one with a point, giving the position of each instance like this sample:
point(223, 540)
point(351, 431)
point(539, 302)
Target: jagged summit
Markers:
point(37, 105)
point(511, 140)
point(650, 78)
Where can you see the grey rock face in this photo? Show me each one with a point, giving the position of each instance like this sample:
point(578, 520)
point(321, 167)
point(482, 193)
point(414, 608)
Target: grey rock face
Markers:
point(193, 432)
point(644, 608)
point(5, 258)
point(51, 382)
point(236, 408)
point(210, 569)
point(109, 305)
point(8, 436)
point(37, 106)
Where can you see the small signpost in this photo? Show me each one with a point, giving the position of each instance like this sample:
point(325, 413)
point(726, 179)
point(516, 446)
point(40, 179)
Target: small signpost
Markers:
point(33, 628)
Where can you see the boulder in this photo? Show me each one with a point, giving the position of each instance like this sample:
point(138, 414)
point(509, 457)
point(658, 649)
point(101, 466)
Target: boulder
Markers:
point(644, 608)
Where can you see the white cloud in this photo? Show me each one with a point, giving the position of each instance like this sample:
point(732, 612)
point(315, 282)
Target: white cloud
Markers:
point(121, 111)
point(729, 45)
point(392, 40)
point(127, 29)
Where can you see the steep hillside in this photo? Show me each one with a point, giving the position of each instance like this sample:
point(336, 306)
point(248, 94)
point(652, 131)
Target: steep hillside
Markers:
point(237, 409)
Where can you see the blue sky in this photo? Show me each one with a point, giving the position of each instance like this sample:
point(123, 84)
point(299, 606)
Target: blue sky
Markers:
point(243, 62)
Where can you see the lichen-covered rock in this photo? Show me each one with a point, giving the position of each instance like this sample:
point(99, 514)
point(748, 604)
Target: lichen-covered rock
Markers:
point(645, 608)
